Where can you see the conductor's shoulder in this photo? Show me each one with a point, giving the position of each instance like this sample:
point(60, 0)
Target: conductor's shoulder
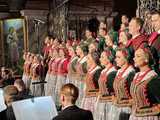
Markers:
point(87, 114)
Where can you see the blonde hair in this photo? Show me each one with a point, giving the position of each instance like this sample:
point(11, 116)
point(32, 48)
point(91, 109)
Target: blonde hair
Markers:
point(10, 94)
point(71, 91)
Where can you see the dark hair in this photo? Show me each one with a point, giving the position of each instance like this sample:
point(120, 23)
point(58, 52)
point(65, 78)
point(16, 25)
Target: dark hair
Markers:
point(95, 56)
point(58, 40)
point(70, 90)
point(84, 48)
point(8, 72)
point(124, 15)
point(104, 29)
point(128, 53)
point(153, 12)
point(109, 54)
point(20, 82)
point(151, 55)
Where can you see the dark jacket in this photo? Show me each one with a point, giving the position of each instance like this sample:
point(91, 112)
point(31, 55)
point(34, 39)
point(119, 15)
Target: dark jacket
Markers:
point(7, 114)
point(74, 113)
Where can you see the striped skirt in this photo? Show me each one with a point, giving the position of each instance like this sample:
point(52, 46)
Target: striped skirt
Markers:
point(102, 110)
point(81, 88)
point(47, 84)
point(71, 79)
point(51, 86)
point(26, 80)
point(88, 103)
point(119, 113)
point(23, 76)
point(36, 90)
point(53, 82)
point(61, 80)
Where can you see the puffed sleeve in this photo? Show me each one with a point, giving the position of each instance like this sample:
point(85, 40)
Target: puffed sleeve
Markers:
point(130, 78)
point(154, 90)
point(96, 77)
point(73, 65)
point(84, 67)
point(110, 79)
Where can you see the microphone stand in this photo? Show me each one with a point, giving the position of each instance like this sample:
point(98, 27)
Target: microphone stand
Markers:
point(36, 25)
point(34, 87)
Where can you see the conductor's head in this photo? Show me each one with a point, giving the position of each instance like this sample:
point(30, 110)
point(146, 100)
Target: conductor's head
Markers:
point(68, 94)
point(10, 94)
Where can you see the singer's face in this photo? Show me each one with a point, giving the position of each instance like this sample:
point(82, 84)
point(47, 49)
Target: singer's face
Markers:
point(78, 51)
point(92, 48)
point(122, 38)
point(140, 58)
point(104, 59)
point(71, 51)
point(156, 22)
point(120, 59)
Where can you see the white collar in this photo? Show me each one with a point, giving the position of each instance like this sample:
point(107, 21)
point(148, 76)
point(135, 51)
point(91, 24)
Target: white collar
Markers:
point(149, 75)
point(84, 59)
point(75, 57)
point(159, 31)
point(96, 68)
point(127, 71)
point(133, 37)
point(67, 106)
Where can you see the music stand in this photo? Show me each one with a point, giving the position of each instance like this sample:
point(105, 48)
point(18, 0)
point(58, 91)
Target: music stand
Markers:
point(43, 108)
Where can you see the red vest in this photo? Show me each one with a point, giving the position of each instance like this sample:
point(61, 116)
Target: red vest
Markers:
point(137, 42)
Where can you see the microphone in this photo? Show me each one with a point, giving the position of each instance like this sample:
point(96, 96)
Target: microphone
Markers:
point(41, 82)
point(39, 21)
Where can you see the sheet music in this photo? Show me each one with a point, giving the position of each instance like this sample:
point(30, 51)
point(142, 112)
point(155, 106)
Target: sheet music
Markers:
point(41, 108)
point(2, 104)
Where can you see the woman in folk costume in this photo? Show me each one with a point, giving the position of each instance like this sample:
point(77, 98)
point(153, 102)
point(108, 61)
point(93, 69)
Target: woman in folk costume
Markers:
point(121, 108)
point(62, 71)
point(54, 72)
point(71, 76)
point(124, 36)
point(145, 88)
point(48, 87)
point(93, 47)
point(36, 89)
point(91, 81)
point(47, 46)
point(81, 69)
point(29, 68)
point(28, 63)
point(110, 40)
point(104, 97)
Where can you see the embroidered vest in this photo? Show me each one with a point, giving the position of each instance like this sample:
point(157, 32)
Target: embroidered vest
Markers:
point(103, 80)
point(139, 93)
point(120, 85)
point(81, 68)
point(90, 83)
point(72, 65)
point(54, 66)
point(62, 67)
